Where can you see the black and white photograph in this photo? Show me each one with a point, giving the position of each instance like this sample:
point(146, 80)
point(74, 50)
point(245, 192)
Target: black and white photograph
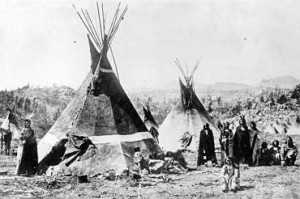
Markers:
point(147, 99)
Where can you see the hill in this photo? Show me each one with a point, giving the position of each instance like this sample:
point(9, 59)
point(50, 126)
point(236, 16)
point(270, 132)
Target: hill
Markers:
point(42, 105)
point(280, 82)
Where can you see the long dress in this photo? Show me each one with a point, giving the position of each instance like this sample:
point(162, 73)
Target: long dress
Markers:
point(27, 158)
point(206, 147)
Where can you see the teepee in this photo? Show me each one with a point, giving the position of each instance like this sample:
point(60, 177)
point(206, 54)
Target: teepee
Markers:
point(12, 123)
point(181, 128)
point(295, 128)
point(271, 129)
point(101, 111)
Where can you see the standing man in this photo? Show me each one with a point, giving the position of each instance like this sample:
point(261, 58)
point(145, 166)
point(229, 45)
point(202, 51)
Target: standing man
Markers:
point(241, 143)
point(254, 141)
point(27, 160)
point(206, 146)
point(7, 141)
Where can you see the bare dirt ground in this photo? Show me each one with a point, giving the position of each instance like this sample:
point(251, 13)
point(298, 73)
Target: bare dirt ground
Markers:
point(256, 182)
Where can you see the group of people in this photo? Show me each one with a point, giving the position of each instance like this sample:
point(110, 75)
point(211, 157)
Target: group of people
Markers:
point(241, 146)
point(27, 157)
point(157, 163)
point(284, 155)
point(244, 146)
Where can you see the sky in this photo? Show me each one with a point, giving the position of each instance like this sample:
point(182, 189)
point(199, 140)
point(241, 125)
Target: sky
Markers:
point(43, 42)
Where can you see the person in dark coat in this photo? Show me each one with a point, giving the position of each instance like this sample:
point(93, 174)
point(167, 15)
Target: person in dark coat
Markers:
point(263, 155)
point(27, 151)
point(241, 143)
point(206, 146)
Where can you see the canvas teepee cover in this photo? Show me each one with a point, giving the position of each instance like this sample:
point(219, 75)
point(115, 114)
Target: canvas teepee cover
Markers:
point(181, 128)
point(101, 111)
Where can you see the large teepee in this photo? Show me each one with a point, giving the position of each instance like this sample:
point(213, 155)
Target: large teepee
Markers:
point(101, 111)
point(181, 128)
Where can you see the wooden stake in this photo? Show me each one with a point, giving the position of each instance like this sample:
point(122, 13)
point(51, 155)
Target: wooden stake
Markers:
point(92, 24)
point(100, 24)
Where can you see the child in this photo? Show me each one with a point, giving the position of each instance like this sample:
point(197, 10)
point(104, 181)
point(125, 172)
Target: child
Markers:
point(136, 168)
point(230, 176)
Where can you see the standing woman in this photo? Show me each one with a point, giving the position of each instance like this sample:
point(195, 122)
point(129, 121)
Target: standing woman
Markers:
point(27, 159)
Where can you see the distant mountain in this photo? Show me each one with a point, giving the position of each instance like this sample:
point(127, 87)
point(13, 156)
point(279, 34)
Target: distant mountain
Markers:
point(171, 89)
point(280, 82)
point(218, 86)
point(229, 86)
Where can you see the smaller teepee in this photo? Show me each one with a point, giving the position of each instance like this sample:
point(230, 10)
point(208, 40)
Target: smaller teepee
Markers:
point(12, 123)
point(270, 129)
point(181, 128)
point(11, 127)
